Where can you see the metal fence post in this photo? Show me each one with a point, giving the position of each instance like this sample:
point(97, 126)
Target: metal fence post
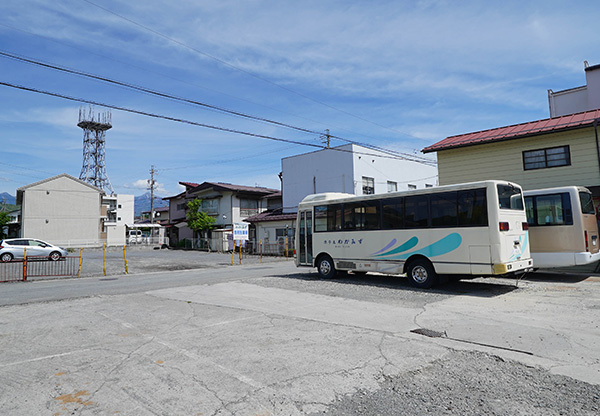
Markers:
point(104, 257)
point(125, 257)
point(80, 259)
point(25, 264)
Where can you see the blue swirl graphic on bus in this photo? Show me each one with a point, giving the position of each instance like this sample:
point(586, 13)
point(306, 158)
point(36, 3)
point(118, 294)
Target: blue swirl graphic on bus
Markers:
point(444, 246)
point(524, 241)
point(412, 242)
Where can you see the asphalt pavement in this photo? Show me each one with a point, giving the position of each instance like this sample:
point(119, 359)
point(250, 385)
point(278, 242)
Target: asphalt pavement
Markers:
point(270, 339)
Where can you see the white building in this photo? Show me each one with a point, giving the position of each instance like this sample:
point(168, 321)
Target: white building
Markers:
point(62, 210)
point(117, 213)
point(70, 212)
point(579, 99)
point(351, 169)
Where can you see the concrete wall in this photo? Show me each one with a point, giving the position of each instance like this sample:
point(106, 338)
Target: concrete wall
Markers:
point(579, 99)
point(62, 211)
point(504, 160)
point(125, 213)
point(342, 171)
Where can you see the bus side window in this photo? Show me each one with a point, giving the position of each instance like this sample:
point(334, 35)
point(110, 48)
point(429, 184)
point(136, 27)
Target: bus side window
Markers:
point(393, 214)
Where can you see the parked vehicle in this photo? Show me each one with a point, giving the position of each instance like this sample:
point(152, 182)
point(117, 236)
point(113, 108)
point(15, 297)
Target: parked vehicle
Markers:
point(135, 237)
point(562, 226)
point(473, 229)
point(14, 248)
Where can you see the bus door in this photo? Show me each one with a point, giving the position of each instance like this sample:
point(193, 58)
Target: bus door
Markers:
point(305, 255)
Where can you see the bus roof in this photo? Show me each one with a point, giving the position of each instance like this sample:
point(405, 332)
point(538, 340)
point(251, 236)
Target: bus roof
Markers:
point(335, 196)
point(555, 190)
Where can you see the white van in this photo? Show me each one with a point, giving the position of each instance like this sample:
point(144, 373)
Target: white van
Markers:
point(134, 237)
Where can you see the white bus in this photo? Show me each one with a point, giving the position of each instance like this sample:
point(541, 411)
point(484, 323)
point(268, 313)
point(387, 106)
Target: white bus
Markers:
point(471, 229)
point(562, 226)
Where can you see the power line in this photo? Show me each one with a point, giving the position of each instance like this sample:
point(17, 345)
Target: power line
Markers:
point(193, 123)
point(223, 62)
point(413, 158)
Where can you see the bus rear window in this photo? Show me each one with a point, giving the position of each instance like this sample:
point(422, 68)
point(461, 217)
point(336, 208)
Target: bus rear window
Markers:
point(510, 197)
point(587, 203)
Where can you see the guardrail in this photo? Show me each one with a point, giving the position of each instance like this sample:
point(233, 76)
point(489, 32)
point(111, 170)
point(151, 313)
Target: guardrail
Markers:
point(39, 266)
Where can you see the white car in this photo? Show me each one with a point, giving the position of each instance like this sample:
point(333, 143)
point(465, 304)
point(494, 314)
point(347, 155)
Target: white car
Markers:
point(14, 248)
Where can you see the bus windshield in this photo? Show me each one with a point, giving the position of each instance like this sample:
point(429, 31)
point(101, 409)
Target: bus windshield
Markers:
point(587, 203)
point(510, 197)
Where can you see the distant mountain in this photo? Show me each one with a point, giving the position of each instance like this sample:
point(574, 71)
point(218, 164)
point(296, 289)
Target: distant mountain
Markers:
point(8, 197)
point(142, 203)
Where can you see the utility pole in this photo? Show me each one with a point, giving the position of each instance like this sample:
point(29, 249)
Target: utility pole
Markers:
point(151, 187)
point(326, 138)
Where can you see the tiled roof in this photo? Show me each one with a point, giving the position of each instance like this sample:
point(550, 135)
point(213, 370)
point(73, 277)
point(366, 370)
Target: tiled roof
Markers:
point(235, 188)
point(516, 131)
point(189, 184)
point(271, 216)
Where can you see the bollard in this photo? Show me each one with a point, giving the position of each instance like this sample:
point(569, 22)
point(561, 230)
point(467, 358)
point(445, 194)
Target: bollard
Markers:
point(240, 251)
point(104, 257)
point(25, 264)
point(261, 251)
point(125, 257)
point(286, 248)
point(233, 253)
point(80, 259)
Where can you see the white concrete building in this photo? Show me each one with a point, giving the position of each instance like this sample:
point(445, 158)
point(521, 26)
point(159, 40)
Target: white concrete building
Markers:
point(579, 99)
point(351, 169)
point(62, 210)
point(117, 213)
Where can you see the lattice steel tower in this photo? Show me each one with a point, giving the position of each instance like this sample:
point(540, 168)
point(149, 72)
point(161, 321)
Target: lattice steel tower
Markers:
point(94, 128)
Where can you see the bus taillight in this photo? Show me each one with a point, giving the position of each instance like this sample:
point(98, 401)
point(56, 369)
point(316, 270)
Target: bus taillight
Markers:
point(504, 226)
point(587, 244)
point(525, 226)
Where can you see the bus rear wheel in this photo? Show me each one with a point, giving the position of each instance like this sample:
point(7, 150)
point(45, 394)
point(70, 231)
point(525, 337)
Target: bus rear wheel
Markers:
point(326, 267)
point(422, 274)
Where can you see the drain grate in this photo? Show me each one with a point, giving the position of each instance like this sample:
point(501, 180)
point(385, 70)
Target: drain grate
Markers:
point(429, 332)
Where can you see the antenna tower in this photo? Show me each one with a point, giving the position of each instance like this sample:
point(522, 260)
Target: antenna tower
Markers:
point(94, 128)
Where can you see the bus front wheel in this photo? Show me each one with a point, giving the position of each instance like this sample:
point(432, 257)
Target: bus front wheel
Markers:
point(422, 274)
point(326, 268)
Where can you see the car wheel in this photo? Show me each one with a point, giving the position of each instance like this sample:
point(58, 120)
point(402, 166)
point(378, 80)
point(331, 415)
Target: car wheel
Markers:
point(326, 268)
point(54, 256)
point(422, 274)
point(6, 257)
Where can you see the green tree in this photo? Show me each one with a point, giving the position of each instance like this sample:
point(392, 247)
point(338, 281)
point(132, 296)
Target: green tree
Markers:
point(4, 220)
point(197, 220)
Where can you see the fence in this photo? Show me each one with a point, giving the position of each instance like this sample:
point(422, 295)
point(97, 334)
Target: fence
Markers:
point(39, 266)
point(249, 247)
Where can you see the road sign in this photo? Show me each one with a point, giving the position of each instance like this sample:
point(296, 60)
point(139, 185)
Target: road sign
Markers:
point(240, 231)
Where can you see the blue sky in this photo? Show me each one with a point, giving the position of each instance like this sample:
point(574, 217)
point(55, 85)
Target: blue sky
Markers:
point(396, 74)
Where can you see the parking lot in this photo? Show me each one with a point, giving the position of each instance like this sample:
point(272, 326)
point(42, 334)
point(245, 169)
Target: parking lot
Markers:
point(269, 338)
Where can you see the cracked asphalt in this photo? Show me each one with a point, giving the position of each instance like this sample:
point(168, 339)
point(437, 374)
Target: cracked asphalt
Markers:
point(271, 339)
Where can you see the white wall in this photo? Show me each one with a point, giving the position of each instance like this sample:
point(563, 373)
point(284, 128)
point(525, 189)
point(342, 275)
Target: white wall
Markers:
point(126, 212)
point(61, 211)
point(579, 99)
point(330, 170)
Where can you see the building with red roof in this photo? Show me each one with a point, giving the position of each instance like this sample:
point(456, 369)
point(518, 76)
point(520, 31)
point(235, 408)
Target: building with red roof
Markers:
point(556, 151)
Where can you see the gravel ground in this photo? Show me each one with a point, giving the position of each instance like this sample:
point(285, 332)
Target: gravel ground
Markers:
point(147, 259)
point(474, 383)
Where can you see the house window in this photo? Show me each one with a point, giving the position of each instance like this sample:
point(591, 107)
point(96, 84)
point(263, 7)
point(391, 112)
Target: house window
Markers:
point(412, 186)
point(368, 185)
point(181, 207)
point(210, 206)
point(546, 158)
point(392, 186)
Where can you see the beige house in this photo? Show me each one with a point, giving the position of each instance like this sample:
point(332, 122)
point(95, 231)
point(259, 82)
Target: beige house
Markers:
point(62, 210)
point(70, 212)
point(558, 151)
